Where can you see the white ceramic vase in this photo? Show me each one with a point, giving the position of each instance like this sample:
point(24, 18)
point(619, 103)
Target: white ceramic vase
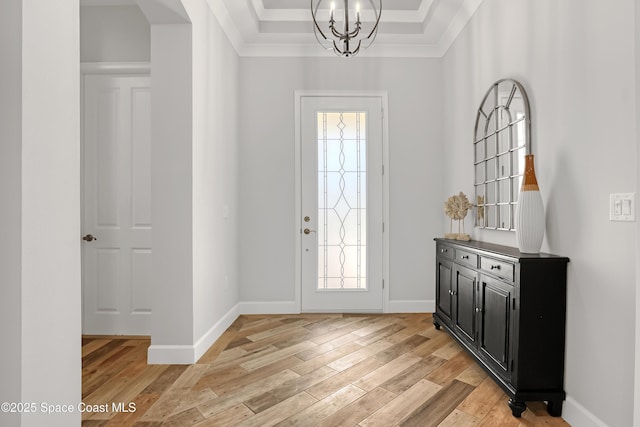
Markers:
point(530, 220)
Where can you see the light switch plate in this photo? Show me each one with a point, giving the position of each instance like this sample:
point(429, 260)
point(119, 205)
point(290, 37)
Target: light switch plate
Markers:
point(622, 206)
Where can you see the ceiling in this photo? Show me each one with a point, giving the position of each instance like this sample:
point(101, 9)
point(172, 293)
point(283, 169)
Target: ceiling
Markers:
point(408, 28)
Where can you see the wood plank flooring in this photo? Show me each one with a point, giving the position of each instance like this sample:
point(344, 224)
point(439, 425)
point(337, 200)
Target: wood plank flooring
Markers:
point(303, 370)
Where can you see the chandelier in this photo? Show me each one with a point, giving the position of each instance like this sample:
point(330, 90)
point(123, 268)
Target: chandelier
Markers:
point(348, 40)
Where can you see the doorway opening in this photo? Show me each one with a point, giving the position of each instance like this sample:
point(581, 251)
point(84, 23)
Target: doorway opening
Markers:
point(116, 214)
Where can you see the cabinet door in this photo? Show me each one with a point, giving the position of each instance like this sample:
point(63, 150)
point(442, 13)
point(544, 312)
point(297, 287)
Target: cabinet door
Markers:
point(464, 302)
point(495, 317)
point(444, 274)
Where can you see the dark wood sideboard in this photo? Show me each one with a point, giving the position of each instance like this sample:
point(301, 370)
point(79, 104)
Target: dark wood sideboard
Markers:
point(508, 310)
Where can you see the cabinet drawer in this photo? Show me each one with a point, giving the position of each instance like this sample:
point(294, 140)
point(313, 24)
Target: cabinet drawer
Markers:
point(467, 258)
point(501, 269)
point(445, 251)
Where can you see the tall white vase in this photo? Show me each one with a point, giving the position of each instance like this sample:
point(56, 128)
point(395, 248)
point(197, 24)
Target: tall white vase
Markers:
point(530, 221)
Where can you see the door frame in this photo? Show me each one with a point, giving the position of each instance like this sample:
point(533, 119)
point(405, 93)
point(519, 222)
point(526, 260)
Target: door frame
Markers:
point(87, 69)
point(384, 100)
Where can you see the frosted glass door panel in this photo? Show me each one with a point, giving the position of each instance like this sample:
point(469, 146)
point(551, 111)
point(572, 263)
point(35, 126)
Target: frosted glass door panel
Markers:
point(342, 211)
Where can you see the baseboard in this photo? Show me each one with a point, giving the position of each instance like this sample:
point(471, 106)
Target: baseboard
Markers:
point(215, 332)
point(577, 415)
point(411, 306)
point(268, 307)
point(189, 354)
point(171, 355)
point(292, 307)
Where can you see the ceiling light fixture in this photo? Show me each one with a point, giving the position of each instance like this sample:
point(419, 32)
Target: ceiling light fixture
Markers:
point(348, 41)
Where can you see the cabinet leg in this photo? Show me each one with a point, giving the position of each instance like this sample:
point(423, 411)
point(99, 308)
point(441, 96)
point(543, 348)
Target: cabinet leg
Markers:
point(517, 408)
point(436, 325)
point(554, 408)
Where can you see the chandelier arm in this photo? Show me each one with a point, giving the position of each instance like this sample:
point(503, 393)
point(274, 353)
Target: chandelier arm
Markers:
point(347, 36)
point(315, 21)
point(337, 33)
point(353, 34)
point(336, 49)
point(320, 42)
point(355, 52)
point(374, 30)
point(371, 41)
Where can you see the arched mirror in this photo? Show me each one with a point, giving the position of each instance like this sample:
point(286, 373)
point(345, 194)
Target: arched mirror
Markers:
point(502, 137)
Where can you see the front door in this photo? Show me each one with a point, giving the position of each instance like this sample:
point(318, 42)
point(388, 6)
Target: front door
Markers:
point(341, 203)
point(116, 226)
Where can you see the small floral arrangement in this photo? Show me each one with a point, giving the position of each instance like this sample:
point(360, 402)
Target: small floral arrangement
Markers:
point(456, 208)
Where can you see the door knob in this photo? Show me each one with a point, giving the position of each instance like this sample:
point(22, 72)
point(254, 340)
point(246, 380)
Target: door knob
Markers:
point(307, 231)
point(89, 238)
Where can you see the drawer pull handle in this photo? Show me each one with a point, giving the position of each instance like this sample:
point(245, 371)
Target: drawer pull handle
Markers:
point(444, 250)
point(478, 310)
point(465, 257)
point(495, 267)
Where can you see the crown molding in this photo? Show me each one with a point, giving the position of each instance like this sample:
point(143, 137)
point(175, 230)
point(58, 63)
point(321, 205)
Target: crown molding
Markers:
point(303, 15)
point(313, 50)
point(258, 6)
point(108, 3)
point(458, 23)
point(229, 27)
point(426, 8)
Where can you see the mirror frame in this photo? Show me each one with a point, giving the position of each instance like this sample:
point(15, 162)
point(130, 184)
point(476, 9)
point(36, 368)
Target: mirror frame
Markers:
point(496, 191)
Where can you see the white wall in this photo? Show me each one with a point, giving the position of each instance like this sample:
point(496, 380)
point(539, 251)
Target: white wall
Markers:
point(114, 34)
point(194, 172)
point(51, 184)
point(636, 412)
point(171, 190)
point(576, 60)
point(40, 163)
point(267, 230)
point(171, 177)
point(215, 176)
point(10, 197)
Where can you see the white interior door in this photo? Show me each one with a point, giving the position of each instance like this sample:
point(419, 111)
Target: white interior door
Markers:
point(341, 204)
point(116, 205)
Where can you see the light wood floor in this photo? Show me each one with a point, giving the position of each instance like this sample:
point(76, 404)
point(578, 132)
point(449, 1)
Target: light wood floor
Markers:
point(304, 370)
